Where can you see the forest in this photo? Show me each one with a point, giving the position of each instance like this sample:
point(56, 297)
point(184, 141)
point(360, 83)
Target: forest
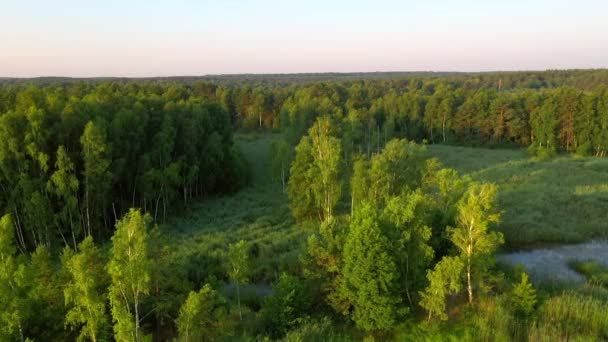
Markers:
point(302, 207)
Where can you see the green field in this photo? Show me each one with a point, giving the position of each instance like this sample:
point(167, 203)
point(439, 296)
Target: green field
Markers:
point(560, 200)
point(564, 199)
point(258, 214)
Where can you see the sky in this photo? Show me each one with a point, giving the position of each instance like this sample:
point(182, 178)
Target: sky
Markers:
point(137, 38)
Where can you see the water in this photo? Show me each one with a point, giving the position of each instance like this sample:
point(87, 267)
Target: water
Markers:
point(551, 263)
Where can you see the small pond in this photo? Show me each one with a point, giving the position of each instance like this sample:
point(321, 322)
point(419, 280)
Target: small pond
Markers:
point(551, 263)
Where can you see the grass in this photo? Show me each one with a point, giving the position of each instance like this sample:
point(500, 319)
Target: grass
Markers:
point(559, 200)
point(595, 272)
point(258, 214)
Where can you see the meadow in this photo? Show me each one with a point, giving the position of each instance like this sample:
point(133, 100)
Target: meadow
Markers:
point(561, 200)
point(558, 200)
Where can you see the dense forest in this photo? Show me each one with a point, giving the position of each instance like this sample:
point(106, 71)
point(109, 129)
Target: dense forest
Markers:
point(380, 239)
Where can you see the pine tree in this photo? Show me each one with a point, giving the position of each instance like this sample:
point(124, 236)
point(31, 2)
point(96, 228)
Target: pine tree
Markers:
point(370, 273)
point(523, 296)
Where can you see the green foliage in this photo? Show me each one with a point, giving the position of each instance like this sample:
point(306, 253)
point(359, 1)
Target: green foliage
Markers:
point(444, 279)
point(371, 273)
point(571, 316)
point(238, 269)
point(472, 236)
point(84, 291)
point(129, 268)
point(594, 271)
point(282, 155)
point(316, 187)
point(14, 282)
point(201, 316)
point(523, 297)
point(287, 307)
point(398, 167)
point(552, 201)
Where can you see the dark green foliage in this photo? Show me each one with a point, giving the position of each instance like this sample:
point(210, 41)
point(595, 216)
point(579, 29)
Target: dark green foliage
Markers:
point(201, 316)
point(287, 307)
point(523, 297)
point(370, 273)
point(73, 159)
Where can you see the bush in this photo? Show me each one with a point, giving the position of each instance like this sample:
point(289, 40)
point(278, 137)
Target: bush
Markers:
point(288, 306)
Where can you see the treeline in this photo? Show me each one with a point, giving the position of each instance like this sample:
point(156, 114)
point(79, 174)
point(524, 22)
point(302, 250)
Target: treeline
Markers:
point(74, 159)
point(547, 111)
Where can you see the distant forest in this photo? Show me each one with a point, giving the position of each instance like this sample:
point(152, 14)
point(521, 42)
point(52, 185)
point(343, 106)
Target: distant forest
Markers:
point(376, 237)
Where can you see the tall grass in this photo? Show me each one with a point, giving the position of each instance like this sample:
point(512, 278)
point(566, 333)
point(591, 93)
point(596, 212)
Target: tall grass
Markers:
point(571, 317)
point(558, 200)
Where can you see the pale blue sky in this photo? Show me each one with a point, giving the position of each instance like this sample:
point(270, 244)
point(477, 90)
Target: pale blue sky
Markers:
point(187, 37)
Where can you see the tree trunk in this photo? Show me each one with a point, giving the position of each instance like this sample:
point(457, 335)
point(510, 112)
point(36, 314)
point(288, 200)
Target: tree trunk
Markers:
point(238, 300)
point(469, 285)
point(136, 322)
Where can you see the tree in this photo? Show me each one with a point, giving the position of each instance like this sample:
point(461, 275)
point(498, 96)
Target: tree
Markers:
point(370, 272)
point(408, 217)
point(324, 262)
point(238, 258)
point(327, 156)
point(472, 235)
point(359, 183)
point(281, 153)
point(14, 306)
point(84, 291)
point(95, 154)
point(314, 185)
point(301, 176)
point(288, 305)
point(129, 270)
point(45, 296)
point(399, 166)
point(444, 279)
point(523, 296)
point(64, 185)
point(544, 124)
point(200, 317)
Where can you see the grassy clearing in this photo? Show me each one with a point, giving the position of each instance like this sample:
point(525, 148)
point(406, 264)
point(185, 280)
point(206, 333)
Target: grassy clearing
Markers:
point(258, 214)
point(559, 200)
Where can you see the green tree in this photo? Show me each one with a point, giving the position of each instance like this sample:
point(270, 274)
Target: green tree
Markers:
point(301, 176)
point(129, 270)
point(14, 306)
point(399, 166)
point(314, 185)
point(238, 259)
point(444, 279)
point(523, 296)
point(328, 162)
point(95, 154)
point(370, 272)
point(472, 235)
point(200, 317)
point(287, 306)
point(64, 185)
point(359, 183)
point(84, 291)
point(281, 153)
point(408, 217)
